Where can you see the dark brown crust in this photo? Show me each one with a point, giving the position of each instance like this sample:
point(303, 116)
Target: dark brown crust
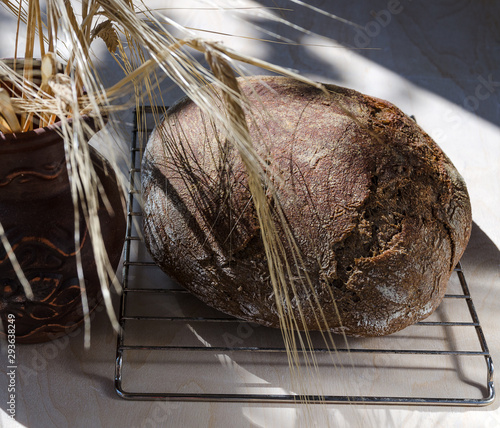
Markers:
point(378, 211)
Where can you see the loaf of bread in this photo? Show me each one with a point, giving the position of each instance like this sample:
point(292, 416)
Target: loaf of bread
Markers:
point(378, 212)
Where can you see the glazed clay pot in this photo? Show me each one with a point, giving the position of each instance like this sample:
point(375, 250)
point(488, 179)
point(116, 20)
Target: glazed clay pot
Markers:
point(37, 214)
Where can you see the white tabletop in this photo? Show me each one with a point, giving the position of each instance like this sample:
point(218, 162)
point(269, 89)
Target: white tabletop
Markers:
point(439, 61)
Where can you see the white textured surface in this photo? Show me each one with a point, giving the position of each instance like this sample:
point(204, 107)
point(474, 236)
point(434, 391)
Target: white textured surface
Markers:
point(432, 59)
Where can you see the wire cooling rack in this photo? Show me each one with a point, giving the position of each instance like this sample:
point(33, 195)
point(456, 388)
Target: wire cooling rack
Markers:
point(173, 347)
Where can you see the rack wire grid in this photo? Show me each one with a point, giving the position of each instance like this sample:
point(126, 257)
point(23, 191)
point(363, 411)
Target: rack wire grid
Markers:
point(167, 334)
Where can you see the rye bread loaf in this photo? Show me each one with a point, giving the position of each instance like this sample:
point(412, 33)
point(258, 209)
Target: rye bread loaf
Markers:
point(379, 213)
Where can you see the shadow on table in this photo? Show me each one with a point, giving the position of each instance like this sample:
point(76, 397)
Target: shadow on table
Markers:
point(448, 48)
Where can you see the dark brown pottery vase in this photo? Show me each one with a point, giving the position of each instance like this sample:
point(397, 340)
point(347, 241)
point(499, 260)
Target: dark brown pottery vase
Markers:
point(37, 214)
